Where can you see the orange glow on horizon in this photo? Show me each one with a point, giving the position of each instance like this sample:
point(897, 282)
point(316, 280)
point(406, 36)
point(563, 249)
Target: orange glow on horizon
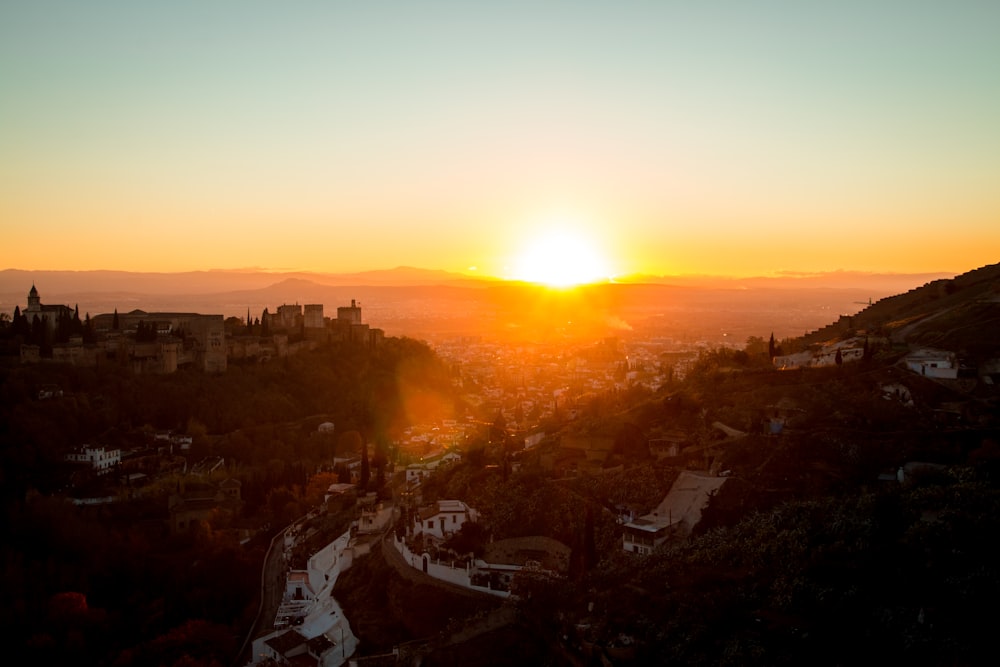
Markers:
point(561, 256)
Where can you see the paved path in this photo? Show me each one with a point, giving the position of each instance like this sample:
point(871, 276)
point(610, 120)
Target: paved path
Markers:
point(272, 589)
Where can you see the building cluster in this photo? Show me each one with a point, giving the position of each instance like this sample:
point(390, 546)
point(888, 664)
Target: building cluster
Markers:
point(309, 627)
point(527, 383)
point(422, 543)
point(162, 342)
point(512, 390)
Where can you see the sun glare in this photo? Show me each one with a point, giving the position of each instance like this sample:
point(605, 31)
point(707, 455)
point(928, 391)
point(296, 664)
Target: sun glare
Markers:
point(561, 258)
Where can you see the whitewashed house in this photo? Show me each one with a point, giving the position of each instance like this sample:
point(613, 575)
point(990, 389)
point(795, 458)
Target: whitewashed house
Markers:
point(101, 459)
point(415, 472)
point(443, 518)
point(933, 363)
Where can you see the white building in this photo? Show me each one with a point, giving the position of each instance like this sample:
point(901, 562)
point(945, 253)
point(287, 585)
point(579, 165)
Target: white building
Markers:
point(297, 586)
point(444, 518)
point(676, 515)
point(100, 459)
point(321, 634)
point(418, 471)
point(933, 363)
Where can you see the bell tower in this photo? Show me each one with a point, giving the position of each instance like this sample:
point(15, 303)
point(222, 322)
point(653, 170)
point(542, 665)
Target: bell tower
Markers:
point(34, 301)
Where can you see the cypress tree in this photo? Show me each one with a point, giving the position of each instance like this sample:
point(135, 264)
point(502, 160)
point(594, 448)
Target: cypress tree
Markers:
point(37, 329)
point(88, 329)
point(365, 470)
point(19, 323)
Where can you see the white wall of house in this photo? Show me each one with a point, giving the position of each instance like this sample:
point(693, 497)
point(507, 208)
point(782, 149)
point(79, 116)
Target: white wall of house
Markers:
point(448, 519)
point(416, 472)
point(443, 570)
point(101, 459)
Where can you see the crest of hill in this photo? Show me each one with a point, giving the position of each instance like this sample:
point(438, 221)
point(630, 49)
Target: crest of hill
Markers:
point(960, 314)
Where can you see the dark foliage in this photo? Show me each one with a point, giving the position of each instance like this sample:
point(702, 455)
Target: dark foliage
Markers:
point(110, 584)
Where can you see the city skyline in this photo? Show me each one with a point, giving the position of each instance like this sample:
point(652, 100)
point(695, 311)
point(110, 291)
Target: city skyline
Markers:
point(655, 138)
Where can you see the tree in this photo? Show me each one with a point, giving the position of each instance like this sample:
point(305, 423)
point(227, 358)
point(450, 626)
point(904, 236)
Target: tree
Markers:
point(77, 326)
point(589, 543)
point(63, 322)
point(470, 538)
point(114, 321)
point(88, 330)
point(839, 359)
point(631, 442)
point(20, 323)
point(343, 473)
point(317, 487)
point(770, 347)
point(365, 470)
point(498, 431)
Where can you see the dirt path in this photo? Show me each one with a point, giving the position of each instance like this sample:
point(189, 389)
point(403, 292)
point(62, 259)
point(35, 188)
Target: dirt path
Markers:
point(900, 335)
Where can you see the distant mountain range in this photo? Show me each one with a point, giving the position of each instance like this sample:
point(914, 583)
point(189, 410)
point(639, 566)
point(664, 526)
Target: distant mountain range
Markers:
point(14, 281)
point(792, 280)
point(202, 282)
point(414, 301)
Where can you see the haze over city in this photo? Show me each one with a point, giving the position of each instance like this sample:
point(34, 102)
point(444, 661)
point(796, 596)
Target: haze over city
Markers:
point(558, 143)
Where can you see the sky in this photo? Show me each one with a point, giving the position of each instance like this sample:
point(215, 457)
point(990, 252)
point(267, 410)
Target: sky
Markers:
point(660, 137)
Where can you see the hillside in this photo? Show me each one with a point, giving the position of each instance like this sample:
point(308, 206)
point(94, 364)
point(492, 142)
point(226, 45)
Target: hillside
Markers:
point(961, 314)
point(866, 514)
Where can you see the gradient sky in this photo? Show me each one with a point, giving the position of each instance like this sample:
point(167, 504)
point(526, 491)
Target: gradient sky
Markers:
point(737, 138)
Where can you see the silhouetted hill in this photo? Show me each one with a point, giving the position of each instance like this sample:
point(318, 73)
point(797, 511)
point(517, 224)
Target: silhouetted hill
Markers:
point(960, 314)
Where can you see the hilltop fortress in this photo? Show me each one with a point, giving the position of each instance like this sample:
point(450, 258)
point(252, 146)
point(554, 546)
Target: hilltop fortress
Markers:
point(162, 342)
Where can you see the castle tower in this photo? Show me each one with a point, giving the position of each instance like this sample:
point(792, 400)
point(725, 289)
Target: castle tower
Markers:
point(350, 314)
point(34, 301)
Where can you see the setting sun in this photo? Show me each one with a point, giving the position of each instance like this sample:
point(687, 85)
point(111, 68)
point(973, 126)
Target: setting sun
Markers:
point(561, 258)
